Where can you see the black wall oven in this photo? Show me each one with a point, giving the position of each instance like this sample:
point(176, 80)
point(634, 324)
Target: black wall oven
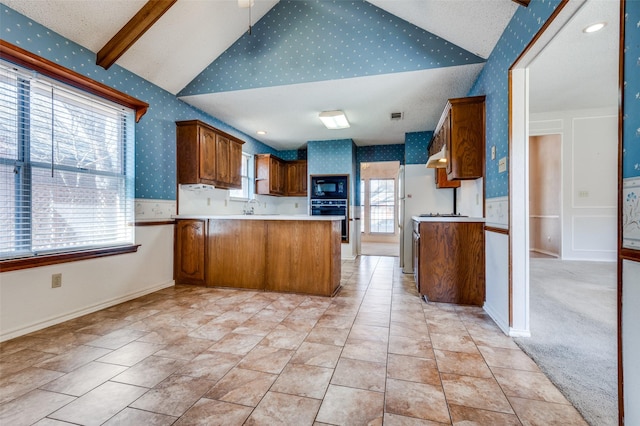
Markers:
point(329, 197)
point(332, 208)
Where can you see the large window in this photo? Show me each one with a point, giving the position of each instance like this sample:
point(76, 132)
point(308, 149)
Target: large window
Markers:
point(66, 168)
point(247, 178)
point(382, 206)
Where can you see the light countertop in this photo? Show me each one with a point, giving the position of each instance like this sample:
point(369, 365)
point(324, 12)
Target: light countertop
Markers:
point(260, 217)
point(447, 219)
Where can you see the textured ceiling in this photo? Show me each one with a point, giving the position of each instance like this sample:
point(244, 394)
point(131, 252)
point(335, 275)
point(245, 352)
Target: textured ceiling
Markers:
point(579, 70)
point(194, 34)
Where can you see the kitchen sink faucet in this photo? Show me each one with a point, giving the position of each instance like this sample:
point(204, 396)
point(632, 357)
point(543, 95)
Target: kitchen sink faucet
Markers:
point(248, 208)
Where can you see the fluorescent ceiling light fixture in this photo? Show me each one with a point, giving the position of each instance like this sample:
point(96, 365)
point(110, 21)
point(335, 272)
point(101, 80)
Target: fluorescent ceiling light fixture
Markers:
point(243, 4)
point(594, 27)
point(261, 132)
point(334, 120)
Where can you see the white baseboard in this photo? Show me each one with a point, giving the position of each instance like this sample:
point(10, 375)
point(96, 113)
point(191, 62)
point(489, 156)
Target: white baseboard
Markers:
point(514, 332)
point(500, 322)
point(6, 335)
point(547, 253)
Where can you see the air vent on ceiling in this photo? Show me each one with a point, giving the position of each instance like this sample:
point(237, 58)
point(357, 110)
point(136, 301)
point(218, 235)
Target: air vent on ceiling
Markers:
point(396, 116)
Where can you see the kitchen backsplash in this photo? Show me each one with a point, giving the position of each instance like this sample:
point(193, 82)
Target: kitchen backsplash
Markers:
point(212, 201)
point(154, 210)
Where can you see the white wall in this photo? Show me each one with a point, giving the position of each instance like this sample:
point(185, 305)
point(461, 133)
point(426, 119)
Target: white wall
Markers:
point(470, 197)
point(497, 278)
point(631, 339)
point(497, 262)
point(28, 303)
point(589, 171)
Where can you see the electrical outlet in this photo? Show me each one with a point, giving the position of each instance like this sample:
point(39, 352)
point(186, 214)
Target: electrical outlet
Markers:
point(208, 201)
point(296, 205)
point(56, 280)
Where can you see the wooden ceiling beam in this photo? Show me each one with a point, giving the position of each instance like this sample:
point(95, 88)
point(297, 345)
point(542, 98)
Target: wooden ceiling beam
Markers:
point(132, 31)
point(524, 3)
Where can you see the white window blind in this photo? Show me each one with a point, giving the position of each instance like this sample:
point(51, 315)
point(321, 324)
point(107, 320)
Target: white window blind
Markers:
point(66, 168)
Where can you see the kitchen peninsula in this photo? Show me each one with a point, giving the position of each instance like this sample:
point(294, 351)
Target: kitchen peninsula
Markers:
point(281, 253)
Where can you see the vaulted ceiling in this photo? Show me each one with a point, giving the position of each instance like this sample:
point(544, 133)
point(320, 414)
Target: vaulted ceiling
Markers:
point(301, 57)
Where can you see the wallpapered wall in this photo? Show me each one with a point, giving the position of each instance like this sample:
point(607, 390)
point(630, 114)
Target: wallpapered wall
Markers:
point(367, 154)
point(302, 41)
point(631, 129)
point(415, 151)
point(493, 82)
point(330, 157)
point(155, 133)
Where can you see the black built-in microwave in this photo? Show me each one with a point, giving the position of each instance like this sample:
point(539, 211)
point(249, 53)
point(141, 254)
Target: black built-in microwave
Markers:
point(329, 187)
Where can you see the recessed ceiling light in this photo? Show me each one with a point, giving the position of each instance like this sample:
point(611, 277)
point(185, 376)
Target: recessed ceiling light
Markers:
point(594, 27)
point(261, 132)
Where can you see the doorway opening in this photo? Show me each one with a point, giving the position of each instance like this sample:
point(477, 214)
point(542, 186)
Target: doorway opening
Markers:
point(545, 198)
point(565, 86)
point(379, 200)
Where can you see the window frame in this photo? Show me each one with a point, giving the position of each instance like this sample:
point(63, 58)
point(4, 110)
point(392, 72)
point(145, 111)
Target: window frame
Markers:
point(249, 177)
point(26, 59)
point(370, 205)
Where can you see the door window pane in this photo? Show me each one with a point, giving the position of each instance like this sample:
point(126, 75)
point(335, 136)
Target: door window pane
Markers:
point(382, 206)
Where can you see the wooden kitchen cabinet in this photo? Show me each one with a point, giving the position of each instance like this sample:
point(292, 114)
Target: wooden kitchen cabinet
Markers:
point(442, 181)
point(233, 245)
point(275, 176)
point(462, 130)
point(297, 178)
point(207, 155)
point(450, 261)
point(189, 251)
point(270, 175)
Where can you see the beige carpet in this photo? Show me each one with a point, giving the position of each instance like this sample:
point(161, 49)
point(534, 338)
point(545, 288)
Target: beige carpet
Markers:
point(574, 333)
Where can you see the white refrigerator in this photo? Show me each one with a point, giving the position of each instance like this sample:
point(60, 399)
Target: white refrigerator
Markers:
point(418, 195)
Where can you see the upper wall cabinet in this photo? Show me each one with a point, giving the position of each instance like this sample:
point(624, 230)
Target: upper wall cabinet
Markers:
point(275, 176)
point(297, 178)
point(208, 155)
point(462, 130)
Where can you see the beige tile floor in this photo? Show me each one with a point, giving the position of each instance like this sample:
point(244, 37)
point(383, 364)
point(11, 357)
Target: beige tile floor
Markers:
point(374, 354)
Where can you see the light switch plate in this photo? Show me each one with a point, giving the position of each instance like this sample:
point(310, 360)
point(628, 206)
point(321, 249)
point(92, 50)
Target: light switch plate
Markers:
point(502, 165)
point(493, 152)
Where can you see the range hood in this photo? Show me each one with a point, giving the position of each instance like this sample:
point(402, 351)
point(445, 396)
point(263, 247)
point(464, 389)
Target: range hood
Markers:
point(437, 160)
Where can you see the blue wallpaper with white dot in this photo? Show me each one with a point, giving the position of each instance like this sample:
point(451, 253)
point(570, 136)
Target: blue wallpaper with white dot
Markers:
point(302, 41)
point(631, 123)
point(493, 82)
point(293, 154)
point(330, 157)
point(155, 133)
point(415, 150)
point(373, 153)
